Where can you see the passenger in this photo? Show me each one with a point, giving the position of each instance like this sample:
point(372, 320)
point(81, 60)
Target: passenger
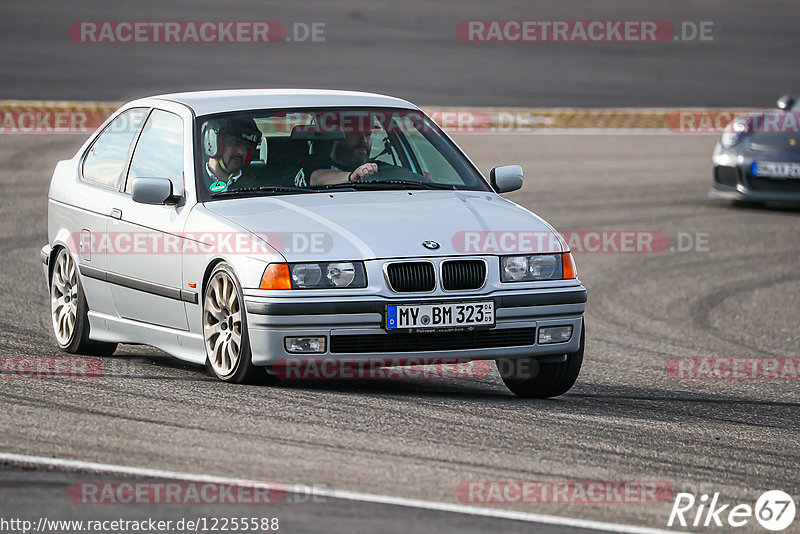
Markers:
point(346, 162)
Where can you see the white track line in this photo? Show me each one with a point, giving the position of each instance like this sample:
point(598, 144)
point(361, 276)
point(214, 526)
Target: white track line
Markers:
point(23, 460)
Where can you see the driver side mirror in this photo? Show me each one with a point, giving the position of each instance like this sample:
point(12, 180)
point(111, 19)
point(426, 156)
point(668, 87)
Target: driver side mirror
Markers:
point(506, 178)
point(153, 191)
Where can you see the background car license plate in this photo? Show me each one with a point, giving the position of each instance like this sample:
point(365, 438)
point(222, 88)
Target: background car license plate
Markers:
point(776, 169)
point(440, 315)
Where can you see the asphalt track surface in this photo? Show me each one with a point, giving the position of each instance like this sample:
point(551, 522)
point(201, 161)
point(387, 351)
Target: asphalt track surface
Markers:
point(55, 495)
point(410, 49)
point(626, 419)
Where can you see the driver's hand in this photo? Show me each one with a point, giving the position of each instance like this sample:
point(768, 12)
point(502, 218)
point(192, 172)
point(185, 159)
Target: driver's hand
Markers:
point(363, 171)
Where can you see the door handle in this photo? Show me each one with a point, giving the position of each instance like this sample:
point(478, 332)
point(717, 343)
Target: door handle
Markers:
point(116, 213)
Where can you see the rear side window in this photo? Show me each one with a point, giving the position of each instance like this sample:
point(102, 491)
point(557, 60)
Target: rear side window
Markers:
point(105, 161)
point(159, 151)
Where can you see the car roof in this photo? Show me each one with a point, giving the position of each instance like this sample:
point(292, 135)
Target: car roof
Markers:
point(208, 102)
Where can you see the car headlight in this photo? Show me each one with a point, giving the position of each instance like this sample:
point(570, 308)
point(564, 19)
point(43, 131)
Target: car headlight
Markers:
point(306, 274)
point(534, 267)
point(545, 267)
point(735, 131)
point(515, 268)
point(339, 274)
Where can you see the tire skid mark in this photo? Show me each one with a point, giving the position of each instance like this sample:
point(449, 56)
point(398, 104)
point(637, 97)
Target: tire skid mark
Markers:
point(702, 309)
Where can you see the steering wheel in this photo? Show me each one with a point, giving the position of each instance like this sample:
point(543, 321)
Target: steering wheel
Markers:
point(387, 171)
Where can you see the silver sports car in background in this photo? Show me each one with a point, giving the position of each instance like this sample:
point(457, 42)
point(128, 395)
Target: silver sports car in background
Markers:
point(247, 229)
point(757, 158)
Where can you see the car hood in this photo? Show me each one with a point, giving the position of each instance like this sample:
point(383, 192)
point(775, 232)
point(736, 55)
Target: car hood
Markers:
point(389, 224)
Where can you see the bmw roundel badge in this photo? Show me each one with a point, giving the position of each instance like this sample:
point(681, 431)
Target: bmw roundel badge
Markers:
point(433, 245)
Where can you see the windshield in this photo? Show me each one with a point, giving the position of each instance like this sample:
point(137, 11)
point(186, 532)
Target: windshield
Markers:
point(313, 150)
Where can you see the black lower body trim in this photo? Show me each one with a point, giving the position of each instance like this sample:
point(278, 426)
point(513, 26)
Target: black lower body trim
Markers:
point(480, 339)
point(139, 285)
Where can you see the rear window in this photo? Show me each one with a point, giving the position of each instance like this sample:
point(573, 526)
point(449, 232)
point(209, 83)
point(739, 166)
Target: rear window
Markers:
point(105, 160)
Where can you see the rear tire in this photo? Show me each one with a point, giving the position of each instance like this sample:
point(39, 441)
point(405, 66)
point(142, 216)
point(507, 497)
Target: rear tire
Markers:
point(69, 311)
point(547, 380)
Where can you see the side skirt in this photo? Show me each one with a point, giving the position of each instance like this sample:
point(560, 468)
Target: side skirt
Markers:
point(181, 344)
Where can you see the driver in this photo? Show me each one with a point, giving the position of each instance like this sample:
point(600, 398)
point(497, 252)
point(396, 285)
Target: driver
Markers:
point(229, 145)
point(346, 162)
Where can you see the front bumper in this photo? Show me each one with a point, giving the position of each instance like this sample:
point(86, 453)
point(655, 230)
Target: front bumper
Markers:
point(44, 256)
point(354, 330)
point(732, 178)
point(744, 194)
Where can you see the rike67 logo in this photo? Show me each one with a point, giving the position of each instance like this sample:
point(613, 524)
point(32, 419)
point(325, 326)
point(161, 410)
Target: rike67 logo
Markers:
point(774, 510)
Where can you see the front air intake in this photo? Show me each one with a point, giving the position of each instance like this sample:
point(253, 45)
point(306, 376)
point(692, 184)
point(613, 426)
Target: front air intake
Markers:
point(458, 275)
point(411, 277)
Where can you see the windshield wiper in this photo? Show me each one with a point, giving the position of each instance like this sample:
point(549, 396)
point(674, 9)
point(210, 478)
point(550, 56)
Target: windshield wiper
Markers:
point(263, 188)
point(366, 184)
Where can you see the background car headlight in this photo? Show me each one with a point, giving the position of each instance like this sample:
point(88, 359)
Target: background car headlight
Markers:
point(529, 268)
point(734, 132)
point(339, 274)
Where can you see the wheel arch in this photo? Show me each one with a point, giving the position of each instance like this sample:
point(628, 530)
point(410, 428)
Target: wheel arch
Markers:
point(57, 247)
point(207, 274)
point(51, 261)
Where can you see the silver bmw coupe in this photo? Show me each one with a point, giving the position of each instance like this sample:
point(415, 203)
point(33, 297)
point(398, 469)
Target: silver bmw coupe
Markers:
point(256, 230)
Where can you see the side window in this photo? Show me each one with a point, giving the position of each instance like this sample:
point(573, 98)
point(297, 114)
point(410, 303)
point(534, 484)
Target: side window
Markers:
point(105, 161)
point(159, 151)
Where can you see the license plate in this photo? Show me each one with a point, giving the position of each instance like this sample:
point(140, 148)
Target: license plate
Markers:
point(436, 317)
point(776, 169)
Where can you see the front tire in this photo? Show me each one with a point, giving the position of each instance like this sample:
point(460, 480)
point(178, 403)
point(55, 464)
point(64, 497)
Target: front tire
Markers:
point(69, 311)
point(228, 354)
point(547, 380)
